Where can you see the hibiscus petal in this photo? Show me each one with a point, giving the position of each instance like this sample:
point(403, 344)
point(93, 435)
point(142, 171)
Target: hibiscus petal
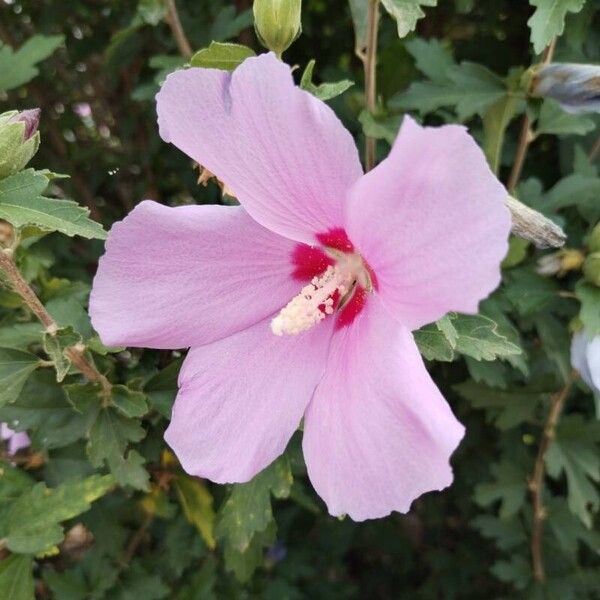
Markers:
point(579, 357)
point(285, 154)
point(432, 223)
point(593, 361)
point(242, 398)
point(177, 277)
point(377, 433)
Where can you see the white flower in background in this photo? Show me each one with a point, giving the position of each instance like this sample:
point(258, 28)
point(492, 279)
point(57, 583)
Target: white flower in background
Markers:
point(585, 357)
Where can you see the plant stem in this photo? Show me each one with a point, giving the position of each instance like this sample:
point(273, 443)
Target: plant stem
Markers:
point(174, 23)
point(76, 354)
point(526, 136)
point(595, 150)
point(370, 66)
point(536, 483)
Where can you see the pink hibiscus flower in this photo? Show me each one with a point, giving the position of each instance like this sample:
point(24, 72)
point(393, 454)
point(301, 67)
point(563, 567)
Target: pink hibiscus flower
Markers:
point(301, 301)
point(16, 441)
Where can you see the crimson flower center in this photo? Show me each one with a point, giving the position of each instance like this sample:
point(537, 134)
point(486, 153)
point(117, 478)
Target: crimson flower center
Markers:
point(327, 292)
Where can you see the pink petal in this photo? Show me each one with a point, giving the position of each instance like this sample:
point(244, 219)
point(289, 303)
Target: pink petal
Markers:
point(593, 359)
point(431, 222)
point(177, 277)
point(285, 154)
point(242, 398)
point(16, 441)
point(377, 433)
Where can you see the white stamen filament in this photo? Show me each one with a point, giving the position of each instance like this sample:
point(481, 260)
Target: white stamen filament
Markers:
point(303, 311)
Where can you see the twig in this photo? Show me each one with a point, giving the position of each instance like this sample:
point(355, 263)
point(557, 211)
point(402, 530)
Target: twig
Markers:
point(526, 136)
point(76, 354)
point(534, 226)
point(174, 23)
point(595, 150)
point(536, 483)
point(369, 59)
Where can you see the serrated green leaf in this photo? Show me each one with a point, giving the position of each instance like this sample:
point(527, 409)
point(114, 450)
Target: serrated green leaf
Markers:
point(244, 563)
point(505, 408)
point(568, 529)
point(380, 127)
point(109, 437)
point(21, 335)
point(433, 343)
point(19, 66)
point(16, 578)
point(478, 337)
point(548, 20)
point(509, 487)
point(34, 518)
point(469, 87)
point(358, 9)
point(43, 410)
point(197, 504)
point(506, 534)
point(22, 204)
point(248, 511)
point(431, 58)
point(15, 368)
point(131, 404)
point(324, 91)
point(575, 450)
point(161, 389)
point(554, 120)
point(55, 346)
point(406, 13)
point(221, 56)
point(589, 296)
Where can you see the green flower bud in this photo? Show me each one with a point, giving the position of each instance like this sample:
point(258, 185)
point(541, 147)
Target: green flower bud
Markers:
point(594, 239)
point(19, 140)
point(278, 23)
point(591, 268)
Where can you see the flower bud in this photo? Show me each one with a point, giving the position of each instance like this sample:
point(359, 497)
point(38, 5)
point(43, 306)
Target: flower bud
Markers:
point(19, 140)
point(594, 239)
point(575, 87)
point(591, 268)
point(560, 263)
point(277, 23)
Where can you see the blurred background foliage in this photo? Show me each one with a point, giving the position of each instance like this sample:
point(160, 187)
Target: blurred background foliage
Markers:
point(153, 532)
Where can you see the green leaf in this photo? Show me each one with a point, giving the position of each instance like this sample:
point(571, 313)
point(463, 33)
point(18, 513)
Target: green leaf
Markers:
point(359, 11)
point(589, 296)
point(131, 404)
point(55, 346)
point(528, 291)
point(506, 534)
point(575, 451)
point(555, 121)
point(380, 127)
point(431, 58)
point(406, 13)
point(21, 335)
point(15, 368)
point(161, 389)
point(22, 204)
point(109, 437)
point(548, 20)
point(19, 67)
point(324, 91)
point(244, 563)
point(16, 578)
point(469, 87)
point(197, 504)
point(34, 518)
point(516, 571)
point(43, 410)
point(152, 12)
point(434, 344)
point(509, 487)
point(247, 511)
point(478, 337)
point(221, 56)
point(504, 408)
point(568, 529)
